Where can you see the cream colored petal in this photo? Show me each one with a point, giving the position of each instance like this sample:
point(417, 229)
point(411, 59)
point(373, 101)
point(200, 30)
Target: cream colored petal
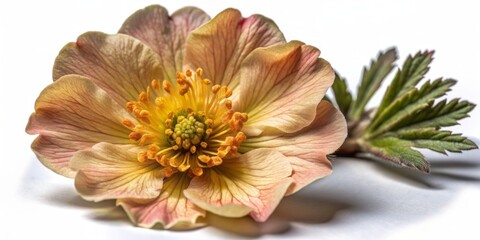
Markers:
point(306, 171)
point(308, 147)
point(119, 64)
point(221, 45)
point(55, 150)
point(73, 114)
point(109, 171)
point(253, 183)
point(165, 34)
point(281, 87)
point(171, 209)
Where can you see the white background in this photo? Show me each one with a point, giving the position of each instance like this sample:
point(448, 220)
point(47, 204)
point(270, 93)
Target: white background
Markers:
point(360, 200)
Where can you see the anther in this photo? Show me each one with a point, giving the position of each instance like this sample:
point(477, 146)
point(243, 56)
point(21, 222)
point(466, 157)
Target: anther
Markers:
point(215, 88)
point(169, 171)
point(183, 89)
point(204, 158)
point(173, 162)
point(146, 138)
point(183, 167)
point(197, 171)
point(127, 123)
point(134, 136)
point(199, 72)
point(155, 84)
point(228, 93)
point(161, 159)
point(209, 122)
point(143, 97)
point(193, 149)
point(168, 132)
point(216, 160)
point(167, 86)
point(178, 141)
point(144, 114)
point(228, 104)
point(168, 122)
point(240, 137)
point(142, 157)
point(188, 73)
point(208, 132)
point(186, 144)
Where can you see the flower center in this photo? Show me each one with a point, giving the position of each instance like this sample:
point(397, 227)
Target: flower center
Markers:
point(186, 127)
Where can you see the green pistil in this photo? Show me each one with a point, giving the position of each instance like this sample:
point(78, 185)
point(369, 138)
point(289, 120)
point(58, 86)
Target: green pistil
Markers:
point(190, 129)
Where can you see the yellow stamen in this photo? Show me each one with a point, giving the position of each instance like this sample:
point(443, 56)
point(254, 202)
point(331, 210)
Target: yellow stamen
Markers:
point(128, 123)
point(142, 157)
point(187, 127)
point(167, 86)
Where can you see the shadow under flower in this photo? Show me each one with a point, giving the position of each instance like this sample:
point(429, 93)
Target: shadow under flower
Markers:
point(297, 208)
point(359, 193)
point(68, 198)
point(301, 208)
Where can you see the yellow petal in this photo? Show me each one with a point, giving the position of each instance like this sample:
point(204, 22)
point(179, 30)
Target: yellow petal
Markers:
point(165, 34)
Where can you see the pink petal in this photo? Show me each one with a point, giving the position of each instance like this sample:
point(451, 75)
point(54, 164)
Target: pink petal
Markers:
point(119, 64)
point(281, 87)
point(171, 208)
point(253, 183)
point(307, 148)
point(220, 46)
point(73, 114)
point(109, 171)
point(165, 34)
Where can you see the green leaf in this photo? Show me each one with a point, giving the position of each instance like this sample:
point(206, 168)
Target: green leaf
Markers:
point(371, 80)
point(408, 116)
point(397, 151)
point(407, 106)
point(442, 114)
point(342, 95)
point(412, 71)
point(438, 141)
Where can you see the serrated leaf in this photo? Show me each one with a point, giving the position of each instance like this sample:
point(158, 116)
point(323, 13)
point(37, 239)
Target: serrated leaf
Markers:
point(438, 141)
point(342, 95)
point(442, 114)
point(371, 80)
point(408, 105)
point(397, 151)
point(406, 78)
point(407, 117)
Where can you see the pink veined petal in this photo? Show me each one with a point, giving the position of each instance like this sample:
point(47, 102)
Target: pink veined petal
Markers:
point(119, 64)
point(281, 87)
point(165, 34)
point(73, 114)
point(307, 148)
point(171, 209)
point(306, 171)
point(108, 171)
point(253, 183)
point(220, 46)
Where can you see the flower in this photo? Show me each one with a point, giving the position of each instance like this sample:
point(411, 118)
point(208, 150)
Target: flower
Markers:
point(180, 115)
